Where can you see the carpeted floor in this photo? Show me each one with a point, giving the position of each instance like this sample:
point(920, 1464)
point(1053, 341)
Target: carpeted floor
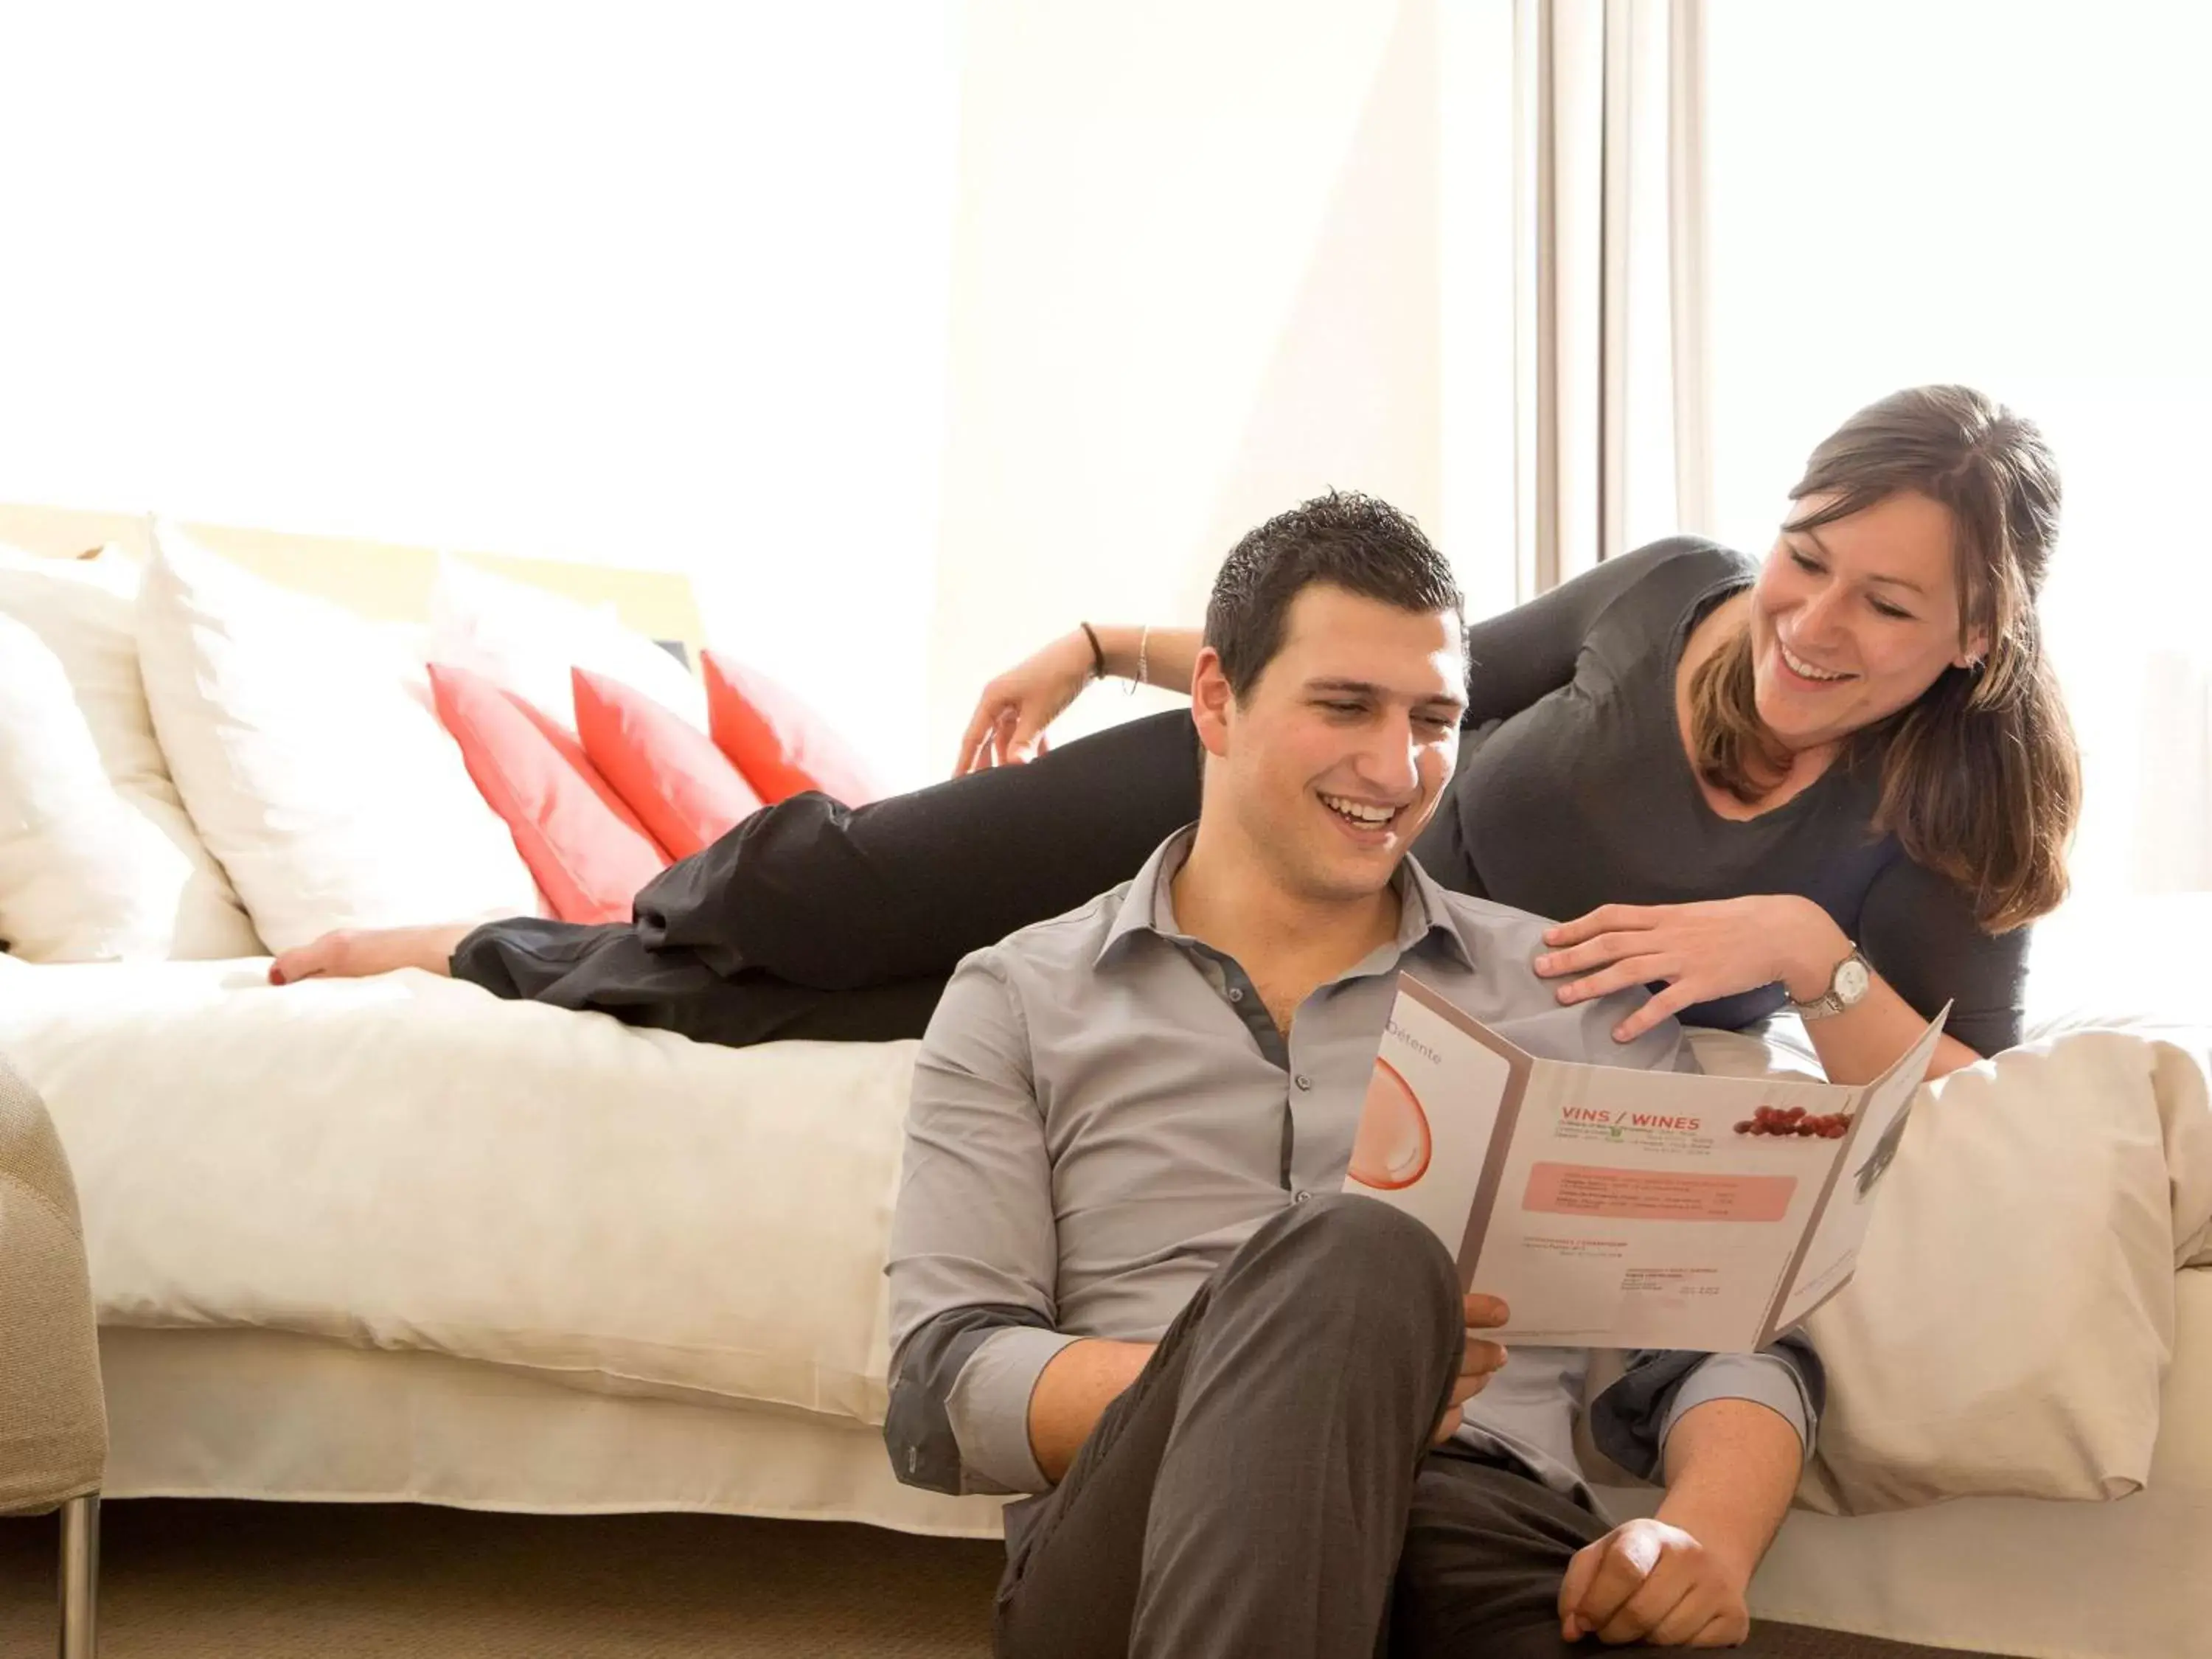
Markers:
point(253, 1581)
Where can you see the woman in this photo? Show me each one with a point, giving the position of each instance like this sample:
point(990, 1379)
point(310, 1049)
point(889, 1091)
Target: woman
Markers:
point(1845, 777)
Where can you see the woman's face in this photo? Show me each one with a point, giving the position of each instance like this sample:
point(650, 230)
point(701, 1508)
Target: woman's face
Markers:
point(1851, 622)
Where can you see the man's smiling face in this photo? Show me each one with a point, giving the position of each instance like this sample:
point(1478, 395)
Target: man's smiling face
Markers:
point(1338, 754)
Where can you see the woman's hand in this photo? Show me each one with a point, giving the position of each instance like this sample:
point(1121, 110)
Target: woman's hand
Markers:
point(1700, 951)
point(1007, 727)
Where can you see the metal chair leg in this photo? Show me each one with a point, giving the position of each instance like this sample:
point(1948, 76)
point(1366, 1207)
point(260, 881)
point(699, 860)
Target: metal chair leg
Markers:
point(80, 1576)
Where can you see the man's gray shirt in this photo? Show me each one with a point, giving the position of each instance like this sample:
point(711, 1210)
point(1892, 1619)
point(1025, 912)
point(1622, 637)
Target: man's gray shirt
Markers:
point(1103, 1111)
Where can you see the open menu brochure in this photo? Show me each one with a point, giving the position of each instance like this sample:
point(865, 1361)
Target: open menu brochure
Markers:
point(1618, 1208)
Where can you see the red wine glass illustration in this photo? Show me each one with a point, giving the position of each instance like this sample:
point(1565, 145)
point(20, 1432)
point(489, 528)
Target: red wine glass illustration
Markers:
point(1392, 1148)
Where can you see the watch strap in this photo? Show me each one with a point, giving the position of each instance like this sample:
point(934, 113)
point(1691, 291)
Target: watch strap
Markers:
point(1830, 1001)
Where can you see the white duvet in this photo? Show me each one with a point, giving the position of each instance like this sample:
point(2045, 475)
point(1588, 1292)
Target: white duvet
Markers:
point(407, 1162)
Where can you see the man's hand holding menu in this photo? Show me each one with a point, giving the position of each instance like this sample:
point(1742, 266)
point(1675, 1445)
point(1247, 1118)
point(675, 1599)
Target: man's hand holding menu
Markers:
point(1480, 1360)
point(1610, 1207)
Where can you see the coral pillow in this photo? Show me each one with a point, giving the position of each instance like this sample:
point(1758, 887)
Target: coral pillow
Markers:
point(782, 746)
point(679, 785)
point(587, 849)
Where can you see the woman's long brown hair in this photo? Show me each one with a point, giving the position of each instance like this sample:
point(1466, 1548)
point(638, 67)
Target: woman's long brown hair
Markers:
point(1980, 779)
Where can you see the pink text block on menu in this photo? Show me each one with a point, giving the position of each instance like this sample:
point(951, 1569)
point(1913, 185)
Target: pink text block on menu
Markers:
point(1656, 1195)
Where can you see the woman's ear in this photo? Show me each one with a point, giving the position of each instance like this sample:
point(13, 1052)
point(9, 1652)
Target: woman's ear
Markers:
point(1211, 702)
point(1975, 651)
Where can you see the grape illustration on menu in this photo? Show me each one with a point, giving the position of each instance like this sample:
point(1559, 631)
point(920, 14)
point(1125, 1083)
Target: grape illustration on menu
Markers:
point(1620, 1208)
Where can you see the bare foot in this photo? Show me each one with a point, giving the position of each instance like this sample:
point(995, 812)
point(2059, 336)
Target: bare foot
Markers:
point(356, 953)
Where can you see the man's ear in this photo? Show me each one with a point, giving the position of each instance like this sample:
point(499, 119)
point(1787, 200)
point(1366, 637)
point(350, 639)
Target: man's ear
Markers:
point(1211, 701)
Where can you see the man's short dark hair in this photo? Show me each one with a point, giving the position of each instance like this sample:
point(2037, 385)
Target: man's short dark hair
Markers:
point(1347, 540)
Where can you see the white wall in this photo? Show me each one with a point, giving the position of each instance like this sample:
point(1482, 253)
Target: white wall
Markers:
point(1194, 281)
point(1477, 342)
point(656, 284)
point(912, 329)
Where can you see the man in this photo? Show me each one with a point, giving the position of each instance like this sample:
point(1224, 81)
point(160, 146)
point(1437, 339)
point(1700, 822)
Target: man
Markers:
point(1123, 1277)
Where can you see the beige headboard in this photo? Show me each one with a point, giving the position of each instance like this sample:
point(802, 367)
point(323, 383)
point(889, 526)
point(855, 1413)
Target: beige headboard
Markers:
point(377, 579)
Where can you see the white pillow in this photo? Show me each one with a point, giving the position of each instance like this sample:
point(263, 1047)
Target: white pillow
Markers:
point(526, 640)
point(98, 860)
point(2012, 1313)
point(304, 743)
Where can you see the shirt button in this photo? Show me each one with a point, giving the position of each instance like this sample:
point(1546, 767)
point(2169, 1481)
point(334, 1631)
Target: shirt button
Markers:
point(1236, 994)
point(1303, 1080)
point(1300, 1198)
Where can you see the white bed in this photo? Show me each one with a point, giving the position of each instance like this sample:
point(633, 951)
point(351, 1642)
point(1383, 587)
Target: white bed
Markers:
point(264, 1415)
point(335, 1390)
point(394, 1240)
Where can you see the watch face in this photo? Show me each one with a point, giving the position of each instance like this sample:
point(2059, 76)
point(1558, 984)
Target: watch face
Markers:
point(1851, 981)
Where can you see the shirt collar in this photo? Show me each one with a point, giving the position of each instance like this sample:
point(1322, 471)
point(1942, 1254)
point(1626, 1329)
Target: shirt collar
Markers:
point(1148, 905)
point(1425, 917)
point(1426, 914)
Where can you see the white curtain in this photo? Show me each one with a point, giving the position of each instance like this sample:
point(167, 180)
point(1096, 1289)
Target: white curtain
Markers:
point(2050, 252)
point(1716, 255)
point(1611, 399)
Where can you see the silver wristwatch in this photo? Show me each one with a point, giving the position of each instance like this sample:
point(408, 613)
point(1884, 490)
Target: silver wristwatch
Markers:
point(1846, 986)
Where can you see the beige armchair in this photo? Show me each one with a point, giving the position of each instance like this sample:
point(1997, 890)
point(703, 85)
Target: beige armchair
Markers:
point(53, 1420)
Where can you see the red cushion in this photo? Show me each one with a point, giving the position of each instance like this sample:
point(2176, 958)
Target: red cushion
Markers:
point(780, 745)
point(669, 772)
point(588, 851)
